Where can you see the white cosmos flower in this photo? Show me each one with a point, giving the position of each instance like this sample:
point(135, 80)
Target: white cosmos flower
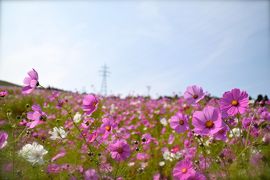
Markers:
point(235, 132)
point(58, 133)
point(170, 156)
point(77, 117)
point(161, 163)
point(131, 164)
point(33, 153)
point(164, 122)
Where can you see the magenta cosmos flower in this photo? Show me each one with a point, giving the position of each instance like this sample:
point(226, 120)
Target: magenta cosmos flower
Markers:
point(183, 170)
point(90, 103)
point(234, 102)
point(106, 128)
point(3, 139)
point(179, 123)
point(90, 174)
point(194, 94)
point(120, 150)
point(30, 82)
point(3, 93)
point(37, 116)
point(208, 121)
point(147, 138)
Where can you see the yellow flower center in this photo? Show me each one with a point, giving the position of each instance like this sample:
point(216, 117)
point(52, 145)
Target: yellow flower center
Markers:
point(234, 102)
point(108, 128)
point(184, 170)
point(209, 124)
point(181, 122)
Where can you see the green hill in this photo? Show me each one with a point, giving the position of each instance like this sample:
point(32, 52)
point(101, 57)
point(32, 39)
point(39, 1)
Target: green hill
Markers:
point(5, 83)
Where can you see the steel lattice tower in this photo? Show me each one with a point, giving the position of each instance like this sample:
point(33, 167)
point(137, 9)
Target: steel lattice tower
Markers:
point(104, 73)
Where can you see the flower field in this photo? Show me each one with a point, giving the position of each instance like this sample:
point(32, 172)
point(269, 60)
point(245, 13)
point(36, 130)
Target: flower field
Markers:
point(48, 134)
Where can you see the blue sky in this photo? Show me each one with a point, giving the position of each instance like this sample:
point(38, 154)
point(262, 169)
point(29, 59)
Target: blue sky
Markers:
point(218, 45)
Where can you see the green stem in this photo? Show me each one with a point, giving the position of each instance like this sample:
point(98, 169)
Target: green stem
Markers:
point(118, 164)
point(204, 153)
point(16, 140)
point(248, 133)
point(13, 154)
point(41, 86)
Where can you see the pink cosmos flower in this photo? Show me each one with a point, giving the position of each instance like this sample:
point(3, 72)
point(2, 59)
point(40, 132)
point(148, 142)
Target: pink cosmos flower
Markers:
point(179, 123)
point(171, 139)
point(3, 93)
point(30, 82)
point(146, 138)
point(3, 139)
point(221, 133)
point(106, 128)
point(86, 123)
point(183, 170)
point(53, 168)
point(175, 149)
point(90, 103)
point(156, 176)
point(142, 156)
point(92, 137)
point(189, 153)
point(234, 102)
point(37, 116)
point(194, 94)
point(62, 153)
point(208, 121)
point(120, 150)
point(90, 174)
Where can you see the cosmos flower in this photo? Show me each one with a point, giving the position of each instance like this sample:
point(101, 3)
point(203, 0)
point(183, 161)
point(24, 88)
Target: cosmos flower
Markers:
point(161, 163)
point(221, 133)
point(171, 139)
point(120, 150)
point(146, 138)
point(183, 170)
point(30, 82)
point(142, 156)
point(92, 137)
point(37, 116)
point(106, 128)
point(208, 121)
point(235, 132)
point(246, 122)
point(90, 174)
point(156, 176)
point(179, 123)
point(77, 117)
point(170, 156)
point(58, 133)
point(234, 102)
point(62, 153)
point(53, 168)
point(3, 139)
point(3, 93)
point(164, 122)
point(33, 153)
point(90, 103)
point(194, 94)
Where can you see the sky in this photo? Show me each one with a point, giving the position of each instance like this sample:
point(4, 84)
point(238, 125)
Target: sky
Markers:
point(168, 45)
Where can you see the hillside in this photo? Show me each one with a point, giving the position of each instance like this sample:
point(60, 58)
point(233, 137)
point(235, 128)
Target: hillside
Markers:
point(6, 83)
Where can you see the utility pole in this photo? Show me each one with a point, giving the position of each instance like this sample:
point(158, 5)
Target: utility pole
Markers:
point(148, 90)
point(104, 73)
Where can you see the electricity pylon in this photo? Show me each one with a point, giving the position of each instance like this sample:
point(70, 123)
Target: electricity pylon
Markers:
point(104, 73)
